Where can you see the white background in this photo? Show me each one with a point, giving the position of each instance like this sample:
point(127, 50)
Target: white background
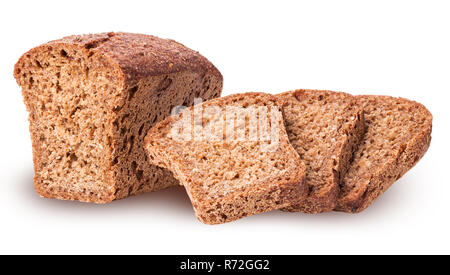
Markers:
point(398, 48)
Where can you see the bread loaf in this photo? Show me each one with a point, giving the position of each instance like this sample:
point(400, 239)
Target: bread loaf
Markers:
point(234, 161)
point(92, 98)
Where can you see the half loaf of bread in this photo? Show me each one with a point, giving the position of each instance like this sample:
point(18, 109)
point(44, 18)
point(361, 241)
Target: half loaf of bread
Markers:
point(92, 98)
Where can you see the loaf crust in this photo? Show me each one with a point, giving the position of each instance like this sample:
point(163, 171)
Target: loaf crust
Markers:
point(137, 79)
point(398, 136)
point(326, 148)
point(229, 179)
point(136, 55)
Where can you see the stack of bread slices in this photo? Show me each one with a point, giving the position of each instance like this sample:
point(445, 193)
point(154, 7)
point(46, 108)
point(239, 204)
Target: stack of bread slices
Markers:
point(331, 151)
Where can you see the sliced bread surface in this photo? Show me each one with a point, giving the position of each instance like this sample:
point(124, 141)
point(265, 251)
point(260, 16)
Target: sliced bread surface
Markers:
point(398, 135)
point(244, 166)
point(325, 128)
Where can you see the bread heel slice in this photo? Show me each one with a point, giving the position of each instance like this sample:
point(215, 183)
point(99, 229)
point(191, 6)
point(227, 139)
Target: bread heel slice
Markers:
point(398, 135)
point(233, 156)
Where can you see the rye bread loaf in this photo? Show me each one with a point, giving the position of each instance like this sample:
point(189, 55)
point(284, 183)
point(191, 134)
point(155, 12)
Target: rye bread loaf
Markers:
point(324, 128)
point(398, 135)
point(92, 98)
point(233, 156)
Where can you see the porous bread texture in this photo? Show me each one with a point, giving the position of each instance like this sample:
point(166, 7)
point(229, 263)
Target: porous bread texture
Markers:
point(92, 98)
point(398, 135)
point(324, 128)
point(230, 176)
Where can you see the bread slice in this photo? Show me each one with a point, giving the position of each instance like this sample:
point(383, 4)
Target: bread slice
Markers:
point(325, 128)
point(233, 156)
point(398, 135)
point(92, 98)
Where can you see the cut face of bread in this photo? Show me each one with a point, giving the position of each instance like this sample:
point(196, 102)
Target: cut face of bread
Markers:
point(325, 128)
point(398, 135)
point(232, 155)
point(92, 98)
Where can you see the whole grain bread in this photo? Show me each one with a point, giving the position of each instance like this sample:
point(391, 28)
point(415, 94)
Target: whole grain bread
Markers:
point(92, 98)
point(233, 156)
point(398, 135)
point(325, 128)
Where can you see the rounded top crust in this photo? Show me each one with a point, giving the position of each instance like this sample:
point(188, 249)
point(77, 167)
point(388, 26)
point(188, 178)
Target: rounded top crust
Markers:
point(139, 55)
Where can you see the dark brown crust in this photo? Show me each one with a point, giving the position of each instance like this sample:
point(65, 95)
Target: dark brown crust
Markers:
point(140, 55)
point(325, 199)
point(135, 57)
point(381, 178)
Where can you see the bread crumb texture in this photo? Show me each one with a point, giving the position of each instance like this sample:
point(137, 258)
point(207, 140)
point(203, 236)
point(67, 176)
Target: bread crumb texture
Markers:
point(92, 98)
point(230, 176)
point(398, 135)
point(325, 128)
